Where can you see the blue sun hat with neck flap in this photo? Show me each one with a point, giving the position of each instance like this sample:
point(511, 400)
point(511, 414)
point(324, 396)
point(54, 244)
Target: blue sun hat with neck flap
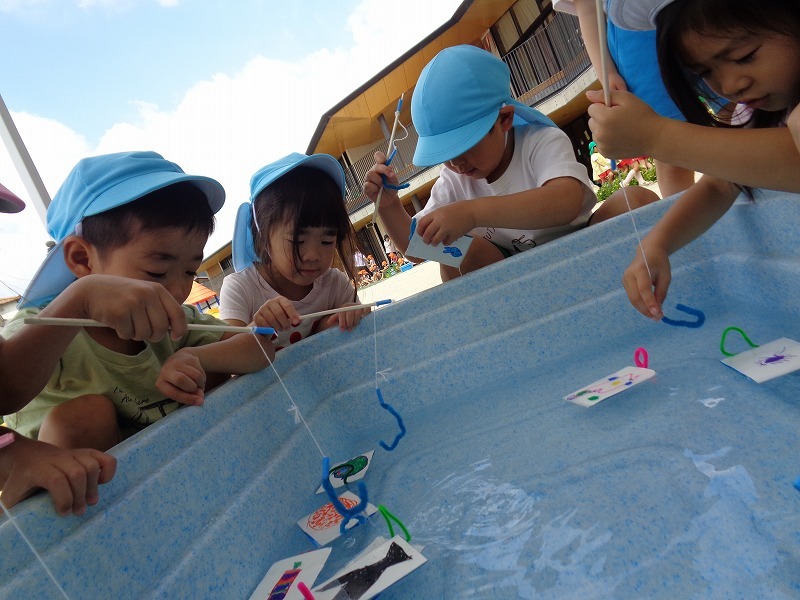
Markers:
point(244, 250)
point(95, 185)
point(458, 98)
point(636, 15)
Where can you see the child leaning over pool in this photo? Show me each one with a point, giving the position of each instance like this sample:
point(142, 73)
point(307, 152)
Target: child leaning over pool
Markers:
point(511, 177)
point(131, 228)
point(747, 52)
point(284, 242)
point(71, 477)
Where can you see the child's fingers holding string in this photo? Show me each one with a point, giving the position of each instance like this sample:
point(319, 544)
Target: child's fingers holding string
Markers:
point(350, 319)
point(278, 313)
point(182, 378)
point(646, 295)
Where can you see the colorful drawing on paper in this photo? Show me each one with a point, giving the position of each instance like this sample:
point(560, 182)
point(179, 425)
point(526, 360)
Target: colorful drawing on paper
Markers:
point(615, 383)
point(372, 572)
point(767, 361)
point(323, 524)
point(280, 582)
point(349, 470)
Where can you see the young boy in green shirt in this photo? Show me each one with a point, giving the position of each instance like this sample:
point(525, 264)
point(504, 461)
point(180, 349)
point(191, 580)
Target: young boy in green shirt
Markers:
point(131, 227)
point(70, 476)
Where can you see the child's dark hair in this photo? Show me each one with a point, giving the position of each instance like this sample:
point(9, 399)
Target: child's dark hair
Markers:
point(180, 205)
point(713, 16)
point(304, 197)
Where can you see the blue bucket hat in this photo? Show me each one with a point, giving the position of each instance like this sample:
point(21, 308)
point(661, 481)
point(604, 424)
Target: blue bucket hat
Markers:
point(457, 99)
point(96, 185)
point(636, 15)
point(9, 203)
point(244, 251)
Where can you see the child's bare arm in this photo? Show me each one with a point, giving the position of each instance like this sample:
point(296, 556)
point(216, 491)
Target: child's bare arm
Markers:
point(763, 158)
point(557, 202)
point(693, 213)
point(587, 18)
point(395, 218)
point(70, 477)
point(793, 123)
point(135, 309)
point(186, 375)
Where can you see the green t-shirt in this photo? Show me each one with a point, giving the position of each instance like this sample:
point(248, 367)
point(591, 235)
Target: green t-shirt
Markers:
point(86, 367)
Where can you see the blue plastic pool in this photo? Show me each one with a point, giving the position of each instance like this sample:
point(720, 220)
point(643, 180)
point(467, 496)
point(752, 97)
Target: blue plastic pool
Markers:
point(680, 487)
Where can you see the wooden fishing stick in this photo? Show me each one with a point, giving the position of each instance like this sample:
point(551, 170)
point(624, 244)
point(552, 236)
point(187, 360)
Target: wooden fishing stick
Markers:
point(67, 322)
point(388, 153)
point(332, 311)
point(602, 39)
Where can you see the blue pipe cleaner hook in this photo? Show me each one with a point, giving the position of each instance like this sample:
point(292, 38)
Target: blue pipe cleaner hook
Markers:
point(388, 407)
point(386, 183)
point(347, 513)
point(701, 317)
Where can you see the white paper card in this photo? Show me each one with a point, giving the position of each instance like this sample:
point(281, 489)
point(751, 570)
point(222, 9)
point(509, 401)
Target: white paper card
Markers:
point(282, 578)
point(767, 361)
point(323, 524)
point(450, 255)
point(349, 470)
point(615, 383)
point(373, 572)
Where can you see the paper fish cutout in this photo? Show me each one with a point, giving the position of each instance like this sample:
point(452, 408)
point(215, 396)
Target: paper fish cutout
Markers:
point(323, 524)
point(281, 580)
point(372, 572)
point(767, 361)
point(450, 255)
point(349, 471)
point(608, 386)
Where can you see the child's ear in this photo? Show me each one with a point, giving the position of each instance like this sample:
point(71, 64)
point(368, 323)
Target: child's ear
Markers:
point(507, 117)
point(79, 255)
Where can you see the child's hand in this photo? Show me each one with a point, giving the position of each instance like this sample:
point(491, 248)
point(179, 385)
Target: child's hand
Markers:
point(616, 81)
point(626, 128)
point(278, 313)
point(182, 378)
point(373, 182)
point(348, 320)
point(446, 224)
point(70, 477)
point(793, 123)
point(138, 310)
point(640, 288)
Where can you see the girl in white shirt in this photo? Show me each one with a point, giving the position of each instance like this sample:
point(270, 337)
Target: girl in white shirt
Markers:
point(284, 243)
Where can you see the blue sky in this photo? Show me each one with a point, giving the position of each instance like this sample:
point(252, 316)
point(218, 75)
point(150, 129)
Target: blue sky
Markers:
point(219, 87)
point(82, 65)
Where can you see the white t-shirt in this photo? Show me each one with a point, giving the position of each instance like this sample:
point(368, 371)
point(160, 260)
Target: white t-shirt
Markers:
point(540, 154)
point(243, 293)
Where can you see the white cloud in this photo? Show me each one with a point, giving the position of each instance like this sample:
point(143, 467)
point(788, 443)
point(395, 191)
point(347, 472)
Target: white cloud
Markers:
point(229, 126)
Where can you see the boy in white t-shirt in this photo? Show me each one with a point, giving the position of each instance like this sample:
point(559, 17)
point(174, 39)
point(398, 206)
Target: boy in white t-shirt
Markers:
point(511, 177)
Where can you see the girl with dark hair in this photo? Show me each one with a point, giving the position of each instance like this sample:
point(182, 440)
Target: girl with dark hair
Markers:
point(733, 68)
point(284, 245)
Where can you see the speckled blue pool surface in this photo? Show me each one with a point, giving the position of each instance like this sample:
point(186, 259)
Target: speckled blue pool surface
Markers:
point(678, 488)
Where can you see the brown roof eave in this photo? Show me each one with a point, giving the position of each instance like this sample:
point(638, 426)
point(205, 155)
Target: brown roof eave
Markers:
point(323, 122)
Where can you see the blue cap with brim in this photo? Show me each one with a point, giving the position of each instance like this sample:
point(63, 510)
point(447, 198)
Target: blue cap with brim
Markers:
point(458, 98)
point(244, 253)
point(98, 184)
point(9, 203)
point(636, 15)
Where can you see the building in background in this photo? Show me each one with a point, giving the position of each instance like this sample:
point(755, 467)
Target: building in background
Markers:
point(550, 70)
